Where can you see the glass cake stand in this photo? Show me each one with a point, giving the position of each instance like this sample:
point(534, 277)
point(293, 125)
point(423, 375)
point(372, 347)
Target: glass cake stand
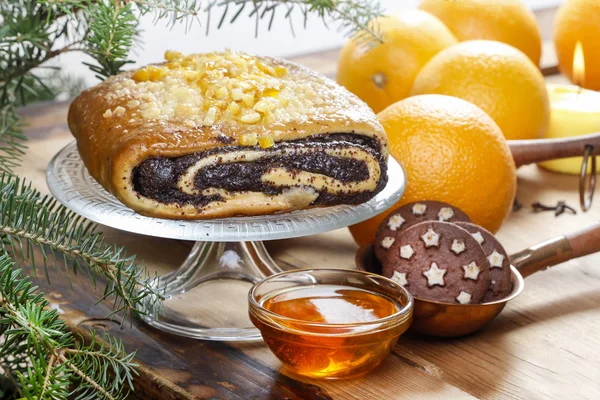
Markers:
point(205, 298)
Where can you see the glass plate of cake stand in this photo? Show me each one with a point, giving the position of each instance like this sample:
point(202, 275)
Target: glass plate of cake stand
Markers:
point(206, 297)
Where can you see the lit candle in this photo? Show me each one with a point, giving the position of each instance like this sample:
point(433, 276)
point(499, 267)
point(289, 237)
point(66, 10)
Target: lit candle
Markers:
point(574, 111)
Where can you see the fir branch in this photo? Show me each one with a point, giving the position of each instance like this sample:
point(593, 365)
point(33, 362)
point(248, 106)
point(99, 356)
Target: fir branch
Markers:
point(58, 366)
point(12, 140)
point(111, 32)
point(28, 38)
point(95, 361)
point(354, 16)
point(51, 84)
point(30, 220)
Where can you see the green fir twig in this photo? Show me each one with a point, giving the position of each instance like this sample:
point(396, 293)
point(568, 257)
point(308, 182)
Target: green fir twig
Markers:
point(353, 16)
point(110, 37)
point(12, 140)
point(29, 220)
point(51, 357)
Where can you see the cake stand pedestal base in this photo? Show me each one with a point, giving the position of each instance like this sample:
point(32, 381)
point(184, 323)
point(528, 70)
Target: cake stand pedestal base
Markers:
point(209, 291)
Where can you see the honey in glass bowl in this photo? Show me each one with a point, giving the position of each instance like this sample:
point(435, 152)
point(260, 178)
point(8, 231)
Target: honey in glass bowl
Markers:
point(330, 323)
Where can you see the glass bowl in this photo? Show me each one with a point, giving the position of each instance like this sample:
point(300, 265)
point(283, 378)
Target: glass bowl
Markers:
point(326, 350)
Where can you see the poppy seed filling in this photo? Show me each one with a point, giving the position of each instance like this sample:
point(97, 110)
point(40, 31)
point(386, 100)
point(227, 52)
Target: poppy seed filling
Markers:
point(157, 177)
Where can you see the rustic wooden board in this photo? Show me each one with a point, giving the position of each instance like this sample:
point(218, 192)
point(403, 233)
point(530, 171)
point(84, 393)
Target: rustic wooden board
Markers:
point(544, 345)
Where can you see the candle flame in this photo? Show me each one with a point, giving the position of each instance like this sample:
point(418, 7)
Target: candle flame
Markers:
point(578, 65)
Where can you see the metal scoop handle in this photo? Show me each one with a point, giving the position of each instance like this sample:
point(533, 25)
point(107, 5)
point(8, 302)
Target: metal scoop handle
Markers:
point(532, 151)
point(558, 250)
point(537, 150)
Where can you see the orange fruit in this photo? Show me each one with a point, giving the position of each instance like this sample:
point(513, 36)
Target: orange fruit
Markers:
point(453, 152)
point(507, 21)
point(383, 74)
point(497, 78)
point(578, 20)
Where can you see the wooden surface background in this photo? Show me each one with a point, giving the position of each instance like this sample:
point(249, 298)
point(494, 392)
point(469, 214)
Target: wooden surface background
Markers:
point(545, 344)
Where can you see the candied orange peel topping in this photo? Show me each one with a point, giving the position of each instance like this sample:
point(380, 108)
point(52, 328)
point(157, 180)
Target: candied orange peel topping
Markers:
point(266, 141)
point(199, 91)
point(206, 88)
point(249, 139)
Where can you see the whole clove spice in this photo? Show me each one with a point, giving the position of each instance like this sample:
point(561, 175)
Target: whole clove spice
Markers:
point(516, 205)
point(560, 208)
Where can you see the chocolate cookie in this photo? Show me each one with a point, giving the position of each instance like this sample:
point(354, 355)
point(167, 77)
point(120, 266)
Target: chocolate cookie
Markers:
point(411, 214)
point(439, 261)
point(501, 280)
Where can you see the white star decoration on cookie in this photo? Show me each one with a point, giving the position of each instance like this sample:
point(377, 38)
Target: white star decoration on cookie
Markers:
point(464, 298)
point(419, 209)
point(435, 276)
point(471, 271)
point(395, 222)
point(445, 213)
point(399, 278)
point(458, 246)
point(430, 238)
point(406, 252)
point(478, 237)
point(496, 259)
point(387, 242)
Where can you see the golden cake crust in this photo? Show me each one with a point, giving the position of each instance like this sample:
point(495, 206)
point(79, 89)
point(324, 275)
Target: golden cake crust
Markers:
point(199, 102)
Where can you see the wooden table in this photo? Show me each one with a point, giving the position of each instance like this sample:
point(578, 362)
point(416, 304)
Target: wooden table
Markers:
point(545, 344)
